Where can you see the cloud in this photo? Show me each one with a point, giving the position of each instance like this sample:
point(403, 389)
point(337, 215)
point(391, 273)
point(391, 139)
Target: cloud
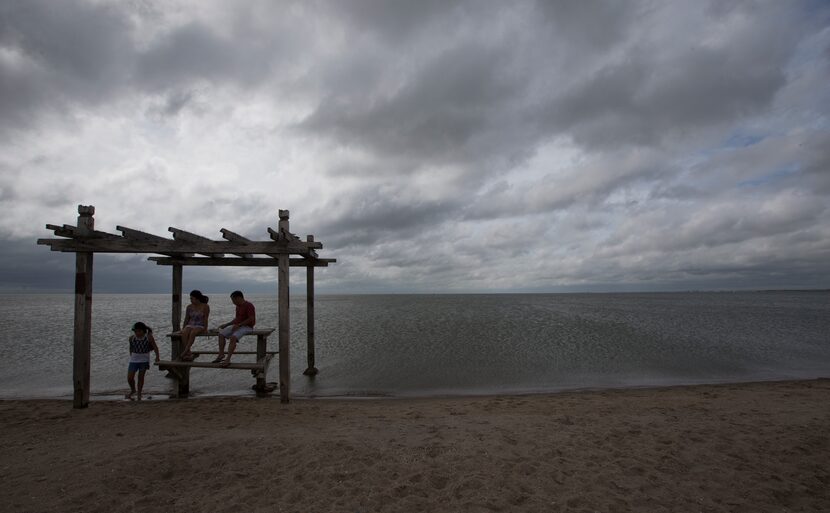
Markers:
point(431, 146)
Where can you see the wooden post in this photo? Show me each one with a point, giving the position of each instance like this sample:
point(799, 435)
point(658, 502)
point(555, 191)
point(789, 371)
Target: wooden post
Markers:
point(311, 370)
point(83, 312)
point(284, 317)
point(177, 297)
point(261, 355)
point(181, 376)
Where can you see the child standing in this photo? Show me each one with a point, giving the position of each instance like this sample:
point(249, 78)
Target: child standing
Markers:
point(141, 342)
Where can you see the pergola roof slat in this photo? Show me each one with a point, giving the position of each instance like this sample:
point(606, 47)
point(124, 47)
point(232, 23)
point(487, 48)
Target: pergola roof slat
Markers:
point(130, 233)
point(70, 231)
point(179, 234)
point(235, 237)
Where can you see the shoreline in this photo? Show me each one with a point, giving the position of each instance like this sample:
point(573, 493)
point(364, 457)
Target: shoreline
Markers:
point(761, 446)
point(117, 396)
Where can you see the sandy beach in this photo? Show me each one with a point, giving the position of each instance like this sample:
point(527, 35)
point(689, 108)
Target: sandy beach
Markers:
point(737, 447)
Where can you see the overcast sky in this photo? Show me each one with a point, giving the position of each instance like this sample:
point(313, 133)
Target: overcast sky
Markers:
point(431, 146)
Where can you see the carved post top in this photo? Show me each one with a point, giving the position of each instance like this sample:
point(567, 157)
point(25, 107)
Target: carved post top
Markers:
point(283, 214)
point(309, 238)
point(86, 223)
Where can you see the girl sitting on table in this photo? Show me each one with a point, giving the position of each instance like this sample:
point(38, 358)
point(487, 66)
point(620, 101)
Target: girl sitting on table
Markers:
point(195, 322)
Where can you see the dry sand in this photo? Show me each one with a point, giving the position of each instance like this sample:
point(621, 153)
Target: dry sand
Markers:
point(746, 447)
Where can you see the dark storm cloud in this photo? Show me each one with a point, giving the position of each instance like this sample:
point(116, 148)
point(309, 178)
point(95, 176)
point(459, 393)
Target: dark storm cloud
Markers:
point(438, 115)
point(59, 53)
point(814, 161)
point(633, 103)
point(592, 25)
point(374, 215)
point(392, 21)
point(453, 146)
point(654, 91)
point(62, 56)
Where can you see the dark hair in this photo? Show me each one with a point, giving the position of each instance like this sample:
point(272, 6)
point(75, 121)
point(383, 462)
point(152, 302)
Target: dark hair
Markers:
point(198, 295)
point(141, 326)
point(237, 293)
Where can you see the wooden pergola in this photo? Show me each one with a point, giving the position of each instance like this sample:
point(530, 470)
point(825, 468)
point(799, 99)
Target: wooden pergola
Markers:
point(283, 250)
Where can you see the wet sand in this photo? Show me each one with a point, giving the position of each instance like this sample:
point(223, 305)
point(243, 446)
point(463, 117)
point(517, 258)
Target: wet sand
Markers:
point(752, 447)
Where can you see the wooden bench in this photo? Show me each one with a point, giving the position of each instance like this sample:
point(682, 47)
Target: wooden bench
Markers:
point(180, 370)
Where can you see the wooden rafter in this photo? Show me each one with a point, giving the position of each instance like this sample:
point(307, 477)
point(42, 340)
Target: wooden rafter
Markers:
point(235, 237)
point(242, 262)
point(166, 246)
point(129, 233)
point(191, 237)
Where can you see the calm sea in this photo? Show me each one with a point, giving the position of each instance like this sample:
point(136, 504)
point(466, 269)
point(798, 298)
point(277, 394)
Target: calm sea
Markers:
point(419, 345)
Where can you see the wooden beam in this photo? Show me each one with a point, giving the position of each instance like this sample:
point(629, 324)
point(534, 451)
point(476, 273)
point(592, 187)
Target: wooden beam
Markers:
point(70, 231)
point(242, 262)
point(166, 246)
point(311, 370)
point(138, 235)
point(83, 313)
point(282, 236)
point(166, 364)
point(235, 237)
point(191, 237)
point(132, 234)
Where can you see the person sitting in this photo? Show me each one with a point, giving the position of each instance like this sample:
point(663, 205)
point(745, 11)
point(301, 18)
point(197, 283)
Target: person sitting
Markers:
point(241, 325)
point(195, 322)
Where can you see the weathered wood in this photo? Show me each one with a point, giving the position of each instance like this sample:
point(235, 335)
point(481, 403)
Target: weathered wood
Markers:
point(68, 230)
point(180, 370)
point(129, 233)
point(82, 337)
point(235, 237)
point(165, 246)
point(261, 356)
point(311, 370)
point(170, 364)
point(213, 333)
point(240, 262)
point(176, 313)
point(191, 237)
point(197, 353)
point(282, 236)
point(181, 378)
point(85, 241)
point(284, 318)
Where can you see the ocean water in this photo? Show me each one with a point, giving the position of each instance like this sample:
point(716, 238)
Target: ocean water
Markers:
point(421, 345)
